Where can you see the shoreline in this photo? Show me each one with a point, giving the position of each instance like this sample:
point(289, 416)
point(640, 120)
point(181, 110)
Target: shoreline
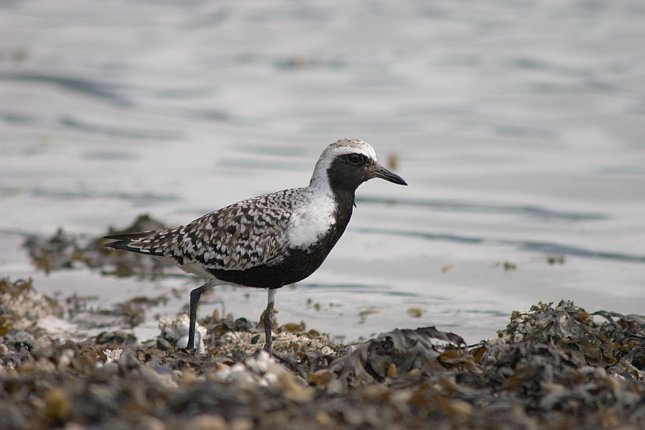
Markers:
point(553, 366)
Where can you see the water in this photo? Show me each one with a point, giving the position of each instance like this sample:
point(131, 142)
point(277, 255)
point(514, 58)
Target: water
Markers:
point(520, 127)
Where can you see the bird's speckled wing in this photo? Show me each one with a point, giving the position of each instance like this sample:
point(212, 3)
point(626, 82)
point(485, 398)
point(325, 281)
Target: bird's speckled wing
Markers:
point(243, 235)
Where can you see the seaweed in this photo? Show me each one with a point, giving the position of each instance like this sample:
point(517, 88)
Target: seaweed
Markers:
point(64, 251)
point(554, 366)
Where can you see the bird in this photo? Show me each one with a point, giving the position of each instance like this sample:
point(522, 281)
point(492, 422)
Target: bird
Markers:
point(268, 241)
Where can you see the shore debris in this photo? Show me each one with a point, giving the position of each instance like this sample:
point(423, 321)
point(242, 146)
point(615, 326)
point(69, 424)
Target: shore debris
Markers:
point(66, 251)
point(554, 366)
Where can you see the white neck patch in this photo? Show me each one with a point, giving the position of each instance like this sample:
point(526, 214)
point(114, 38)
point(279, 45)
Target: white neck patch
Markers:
point(312, 220)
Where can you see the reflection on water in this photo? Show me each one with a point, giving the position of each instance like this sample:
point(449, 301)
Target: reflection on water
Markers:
point(519, 128)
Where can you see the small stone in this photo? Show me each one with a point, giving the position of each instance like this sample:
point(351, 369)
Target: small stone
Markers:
point(241, 424)
point(323, 418)
point(321, 378)
point(206, 422)
point(163, 344)
point(57, 405)
point(150, 423)
point(293, 389)
point(243, 324)
point(459, 408)
point(391, 371)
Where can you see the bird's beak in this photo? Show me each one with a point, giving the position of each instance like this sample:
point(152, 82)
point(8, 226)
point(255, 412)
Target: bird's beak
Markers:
point(383, 173)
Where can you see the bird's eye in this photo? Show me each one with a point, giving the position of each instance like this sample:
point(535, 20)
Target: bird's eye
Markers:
point(355, 159)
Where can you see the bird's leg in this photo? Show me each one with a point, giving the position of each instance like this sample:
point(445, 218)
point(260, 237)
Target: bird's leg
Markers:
point(267, 319)
point(194, 301)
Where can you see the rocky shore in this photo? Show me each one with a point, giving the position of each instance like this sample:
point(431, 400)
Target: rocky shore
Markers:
point(555, 366)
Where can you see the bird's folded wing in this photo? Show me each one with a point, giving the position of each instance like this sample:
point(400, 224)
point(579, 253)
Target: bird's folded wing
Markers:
point(238, 237)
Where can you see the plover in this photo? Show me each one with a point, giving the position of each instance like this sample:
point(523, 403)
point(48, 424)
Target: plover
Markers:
point(271, 240)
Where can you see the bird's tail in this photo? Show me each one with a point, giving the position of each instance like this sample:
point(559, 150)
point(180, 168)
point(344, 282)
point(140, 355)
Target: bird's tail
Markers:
point(123, 240)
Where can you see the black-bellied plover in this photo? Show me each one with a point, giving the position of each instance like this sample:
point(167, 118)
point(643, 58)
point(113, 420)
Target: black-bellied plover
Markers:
point(268, 241)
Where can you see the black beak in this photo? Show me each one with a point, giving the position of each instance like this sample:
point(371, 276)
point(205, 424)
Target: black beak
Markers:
point(383, 173)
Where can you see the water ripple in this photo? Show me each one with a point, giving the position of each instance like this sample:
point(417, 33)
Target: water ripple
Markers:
point(357, 288)
point(84, 86)
point(145, 197)
point(532, 211)
point(549, 248)
point(18, 118)
point(112, 131)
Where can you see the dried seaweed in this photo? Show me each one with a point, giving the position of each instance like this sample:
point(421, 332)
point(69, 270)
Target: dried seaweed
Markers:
point(551, 367)
point(66, 251)
point(554, 366)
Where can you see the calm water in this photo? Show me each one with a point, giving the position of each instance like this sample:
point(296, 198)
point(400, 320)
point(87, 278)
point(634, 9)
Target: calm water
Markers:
point(520, 127)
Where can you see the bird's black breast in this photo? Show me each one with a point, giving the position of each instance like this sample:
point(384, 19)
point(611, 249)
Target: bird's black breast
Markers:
point(298, 263)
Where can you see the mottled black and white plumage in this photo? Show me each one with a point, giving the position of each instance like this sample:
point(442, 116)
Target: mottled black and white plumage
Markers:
point(271, 240)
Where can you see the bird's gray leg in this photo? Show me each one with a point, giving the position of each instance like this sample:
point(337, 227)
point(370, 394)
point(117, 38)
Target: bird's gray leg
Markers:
point(194, 301)
point(268, 320)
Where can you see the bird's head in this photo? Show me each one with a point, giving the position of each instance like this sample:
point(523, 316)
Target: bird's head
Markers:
point(348, 163)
